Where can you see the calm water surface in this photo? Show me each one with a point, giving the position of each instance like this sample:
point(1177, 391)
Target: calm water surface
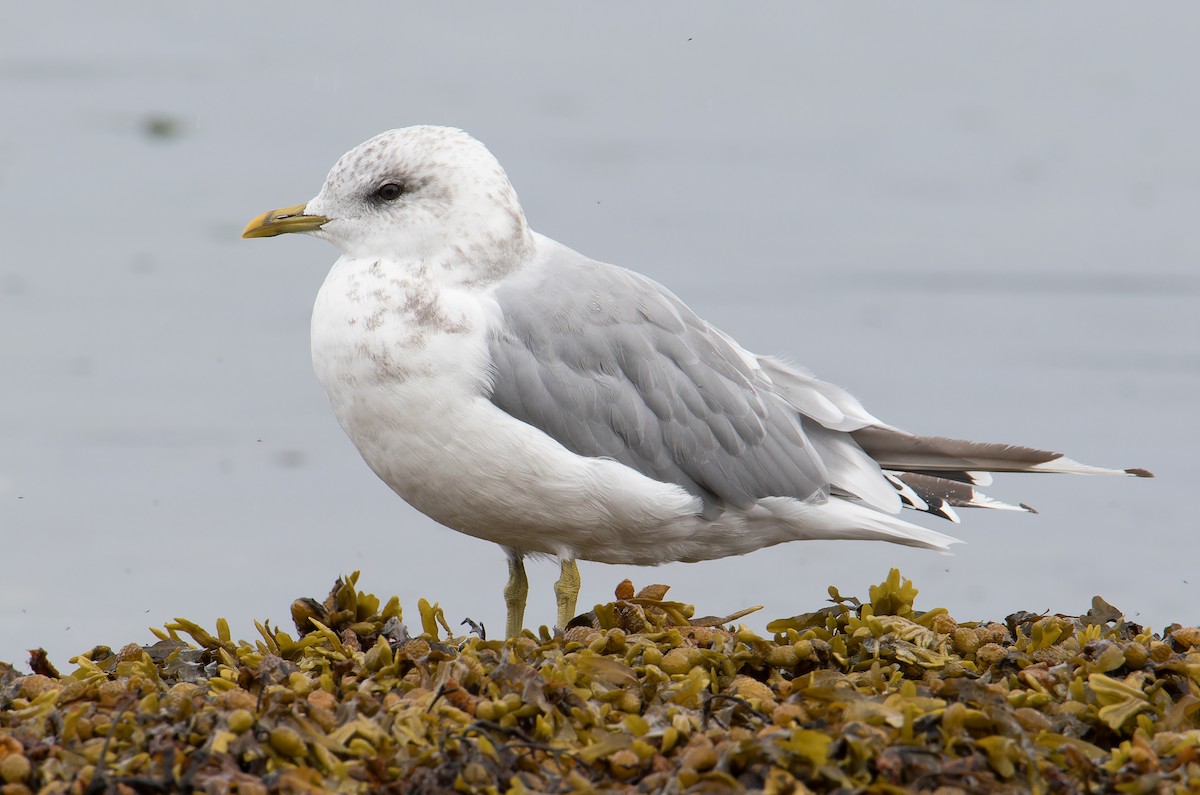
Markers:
point(981, 223)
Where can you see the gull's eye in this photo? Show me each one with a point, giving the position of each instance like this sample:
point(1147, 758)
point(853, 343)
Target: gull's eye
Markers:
point(389, 191)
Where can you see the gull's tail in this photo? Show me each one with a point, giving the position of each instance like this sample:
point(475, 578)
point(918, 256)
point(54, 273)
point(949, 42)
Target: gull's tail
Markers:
point(845, 520)
point(935, 474)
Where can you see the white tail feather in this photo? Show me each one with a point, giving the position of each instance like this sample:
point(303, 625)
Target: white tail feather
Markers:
point(843, 520)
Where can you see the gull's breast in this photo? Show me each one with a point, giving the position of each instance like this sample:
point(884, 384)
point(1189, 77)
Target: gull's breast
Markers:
point(405, 365)
point(400, 358)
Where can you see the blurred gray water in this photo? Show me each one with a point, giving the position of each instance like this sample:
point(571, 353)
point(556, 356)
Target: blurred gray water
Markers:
point(981, 221)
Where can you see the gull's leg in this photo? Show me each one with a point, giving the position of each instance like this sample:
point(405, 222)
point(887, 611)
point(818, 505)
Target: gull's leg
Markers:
point(567, 592)
point(515, 593)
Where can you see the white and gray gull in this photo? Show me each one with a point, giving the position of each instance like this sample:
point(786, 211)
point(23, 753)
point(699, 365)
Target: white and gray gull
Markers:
point(517, 391)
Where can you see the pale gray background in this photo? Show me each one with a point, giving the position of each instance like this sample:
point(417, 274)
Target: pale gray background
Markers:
point(980, 220)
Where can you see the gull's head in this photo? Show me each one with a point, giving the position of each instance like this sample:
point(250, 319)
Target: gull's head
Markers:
point(415, 193)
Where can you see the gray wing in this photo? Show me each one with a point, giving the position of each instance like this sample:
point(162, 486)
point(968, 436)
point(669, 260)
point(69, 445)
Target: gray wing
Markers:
point(610, 364)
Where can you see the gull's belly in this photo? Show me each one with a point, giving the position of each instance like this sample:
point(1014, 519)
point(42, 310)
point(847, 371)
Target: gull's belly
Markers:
point(410, 388)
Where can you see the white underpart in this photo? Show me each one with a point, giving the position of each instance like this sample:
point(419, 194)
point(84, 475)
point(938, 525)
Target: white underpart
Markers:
point(412, 396)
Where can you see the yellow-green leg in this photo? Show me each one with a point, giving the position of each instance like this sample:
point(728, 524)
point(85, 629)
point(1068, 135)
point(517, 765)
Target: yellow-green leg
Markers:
point(567, 592)
point(515, 594)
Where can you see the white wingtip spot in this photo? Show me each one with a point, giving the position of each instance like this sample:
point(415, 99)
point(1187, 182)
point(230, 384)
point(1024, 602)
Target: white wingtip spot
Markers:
point(910, 497)
point(947, 512)
point(981, 478)
point(1066, 466)
point(984, 501)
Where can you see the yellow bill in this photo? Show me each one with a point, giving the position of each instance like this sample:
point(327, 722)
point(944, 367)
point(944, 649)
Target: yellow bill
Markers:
point(283, 221)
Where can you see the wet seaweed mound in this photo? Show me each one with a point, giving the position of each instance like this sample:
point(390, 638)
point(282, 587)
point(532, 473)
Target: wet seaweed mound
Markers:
point(639, 696)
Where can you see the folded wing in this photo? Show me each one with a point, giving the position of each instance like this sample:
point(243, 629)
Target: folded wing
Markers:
point(611, 364)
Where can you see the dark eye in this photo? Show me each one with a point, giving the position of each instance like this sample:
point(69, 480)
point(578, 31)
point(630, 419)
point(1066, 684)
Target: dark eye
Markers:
point(389, 191)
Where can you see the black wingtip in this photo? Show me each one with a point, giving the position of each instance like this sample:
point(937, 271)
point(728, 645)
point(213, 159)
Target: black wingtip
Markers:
point(1029, 508)
point(1140, 473)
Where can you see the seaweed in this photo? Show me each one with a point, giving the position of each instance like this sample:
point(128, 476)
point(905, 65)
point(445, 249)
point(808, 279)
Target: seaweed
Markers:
point(637, 695)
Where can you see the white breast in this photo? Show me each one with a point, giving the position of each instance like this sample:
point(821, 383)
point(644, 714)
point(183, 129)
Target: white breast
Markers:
point(404, 362)
point(400, 358)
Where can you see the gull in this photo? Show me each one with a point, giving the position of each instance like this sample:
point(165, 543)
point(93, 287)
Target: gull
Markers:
point(517, 391)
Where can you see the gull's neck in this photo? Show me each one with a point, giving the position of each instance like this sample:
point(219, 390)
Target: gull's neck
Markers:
point(479, 260)
point(480, 252)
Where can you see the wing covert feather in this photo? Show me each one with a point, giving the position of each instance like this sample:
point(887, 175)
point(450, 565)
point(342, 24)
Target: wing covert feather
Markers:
point(610, 364)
